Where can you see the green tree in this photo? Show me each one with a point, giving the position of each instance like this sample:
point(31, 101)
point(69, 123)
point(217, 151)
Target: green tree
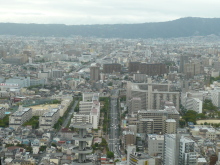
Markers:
point(110, 154)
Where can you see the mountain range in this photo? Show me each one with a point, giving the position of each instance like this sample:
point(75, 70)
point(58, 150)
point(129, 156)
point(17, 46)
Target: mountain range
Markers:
point(183, 27)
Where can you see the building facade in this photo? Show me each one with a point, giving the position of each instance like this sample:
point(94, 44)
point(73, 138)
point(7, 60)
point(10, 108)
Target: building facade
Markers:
point(20, 117)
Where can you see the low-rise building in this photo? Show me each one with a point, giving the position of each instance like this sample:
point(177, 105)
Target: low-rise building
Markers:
point(48, 119)
point(20, 117)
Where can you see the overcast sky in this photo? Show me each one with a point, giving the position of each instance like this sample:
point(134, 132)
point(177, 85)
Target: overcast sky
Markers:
point(75, 12)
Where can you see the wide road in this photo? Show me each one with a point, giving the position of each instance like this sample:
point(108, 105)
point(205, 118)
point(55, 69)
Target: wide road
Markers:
point(114, 125)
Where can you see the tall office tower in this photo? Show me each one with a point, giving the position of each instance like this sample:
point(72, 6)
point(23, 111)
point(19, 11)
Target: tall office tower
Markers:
point(83, 137)
point(179, 150)
point(170, 126)
point(183, 60)
point(170, 150)
point(152, 95)
point(94, 73)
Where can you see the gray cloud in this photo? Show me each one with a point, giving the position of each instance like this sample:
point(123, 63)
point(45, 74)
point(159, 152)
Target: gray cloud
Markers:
point(104, 11)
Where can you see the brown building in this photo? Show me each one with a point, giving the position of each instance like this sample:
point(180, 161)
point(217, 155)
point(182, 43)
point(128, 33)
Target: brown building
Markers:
point(94, 73)
point(153, 69)
point(110, 68)
point(133, 67)
point(148, 69)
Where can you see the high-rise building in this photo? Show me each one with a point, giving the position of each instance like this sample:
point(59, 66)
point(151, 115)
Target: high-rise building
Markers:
point(179, 150)
point(170, 150)
point(94, 73)
point(187, 154)
point(183, 60)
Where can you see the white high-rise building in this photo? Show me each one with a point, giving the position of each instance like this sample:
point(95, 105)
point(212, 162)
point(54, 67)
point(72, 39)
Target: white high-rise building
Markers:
point(170, 149)
point(215, 96)
point(179, 149)
point(187, 154)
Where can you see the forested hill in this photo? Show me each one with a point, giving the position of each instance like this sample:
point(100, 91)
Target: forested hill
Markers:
point(184, 27)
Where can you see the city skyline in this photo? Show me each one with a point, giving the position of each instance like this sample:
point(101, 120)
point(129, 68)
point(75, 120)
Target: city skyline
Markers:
point(104, 12)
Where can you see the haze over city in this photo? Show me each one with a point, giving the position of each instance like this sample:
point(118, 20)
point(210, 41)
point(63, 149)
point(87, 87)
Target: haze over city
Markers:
point(104, 11)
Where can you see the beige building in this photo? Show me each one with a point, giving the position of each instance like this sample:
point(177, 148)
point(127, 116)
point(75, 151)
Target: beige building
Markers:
point(145, 126)
point(129, 138)
point(170, 126)
point(20, 117)
point(134, 105)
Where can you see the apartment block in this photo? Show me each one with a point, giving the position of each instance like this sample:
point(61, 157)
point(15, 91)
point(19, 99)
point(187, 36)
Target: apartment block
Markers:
point(134, 105)
point(20, 117)
point(159, 117)
point(153, 94)
point(191, 103)
point(110, 68)
point(145, 126)
point(48, 119)
point(147, 68)
point(170, 126)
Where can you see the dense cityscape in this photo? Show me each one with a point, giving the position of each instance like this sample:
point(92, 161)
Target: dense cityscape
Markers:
point(92, 101)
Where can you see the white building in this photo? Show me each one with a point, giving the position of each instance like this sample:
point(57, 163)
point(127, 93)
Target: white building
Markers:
point(89, 110)
point(155, 144)
point(215, 96)
point(20, 117)
point(48, 119)
point(21, 81)
point(192, 103)
point(187, 154)
point(170, 149)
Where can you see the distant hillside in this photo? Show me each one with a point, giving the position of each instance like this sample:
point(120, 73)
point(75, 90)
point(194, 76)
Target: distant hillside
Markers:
point(183, 27)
